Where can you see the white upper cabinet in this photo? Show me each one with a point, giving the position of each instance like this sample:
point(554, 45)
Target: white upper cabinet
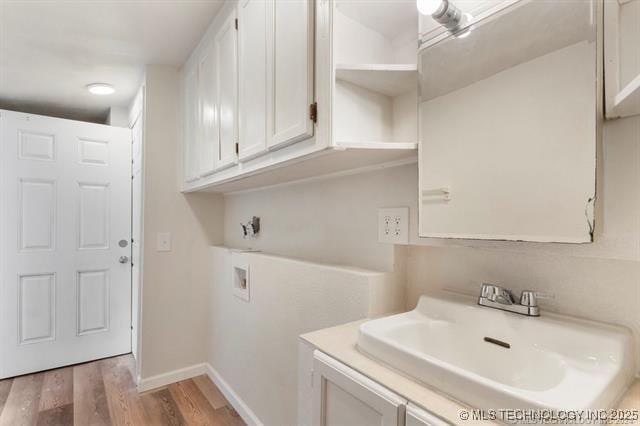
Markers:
point(272, 106)
point(252, 68)
point(622, 58)
point(226, 46)
point(290, 72)
point(191, 125)
point(209, 135)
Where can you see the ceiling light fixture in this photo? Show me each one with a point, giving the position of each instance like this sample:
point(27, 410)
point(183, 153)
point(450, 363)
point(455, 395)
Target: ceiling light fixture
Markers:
point(442, 11)
point(100, 89)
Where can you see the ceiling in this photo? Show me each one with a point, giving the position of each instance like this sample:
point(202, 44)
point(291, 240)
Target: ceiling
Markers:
point(51, 49)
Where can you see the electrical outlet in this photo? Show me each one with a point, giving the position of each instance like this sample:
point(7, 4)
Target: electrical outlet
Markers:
point(393, 225)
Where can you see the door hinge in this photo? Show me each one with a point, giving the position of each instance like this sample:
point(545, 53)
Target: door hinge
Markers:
point(237, 148)
point(313, 112)
point(236, 23)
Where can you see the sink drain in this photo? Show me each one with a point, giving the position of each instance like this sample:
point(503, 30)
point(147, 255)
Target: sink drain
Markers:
point(497, 342)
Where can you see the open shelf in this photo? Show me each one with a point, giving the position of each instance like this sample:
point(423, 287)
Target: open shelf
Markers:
point(627, 101)
point(387, 79)
point(376, 145)
point(621, 67)
point(343, 159)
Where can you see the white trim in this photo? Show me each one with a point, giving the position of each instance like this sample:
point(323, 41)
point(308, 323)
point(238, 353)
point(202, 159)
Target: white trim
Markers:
point(238, 404)
point(171, 377)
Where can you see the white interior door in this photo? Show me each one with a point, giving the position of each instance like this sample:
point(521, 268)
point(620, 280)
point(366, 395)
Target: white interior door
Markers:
point(65, 296)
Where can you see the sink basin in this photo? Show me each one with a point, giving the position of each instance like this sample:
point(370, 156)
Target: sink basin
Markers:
point(493, 359)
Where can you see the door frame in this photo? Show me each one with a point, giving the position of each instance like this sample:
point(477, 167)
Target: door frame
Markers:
point(138, 112)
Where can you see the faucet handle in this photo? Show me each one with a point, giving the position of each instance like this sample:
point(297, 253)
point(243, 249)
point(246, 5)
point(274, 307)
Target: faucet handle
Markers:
point(497, 294)
point(530, 297)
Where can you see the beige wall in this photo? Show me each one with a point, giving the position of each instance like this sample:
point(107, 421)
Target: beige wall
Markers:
point(331, 221)
point(175, 287)
point(335, 221)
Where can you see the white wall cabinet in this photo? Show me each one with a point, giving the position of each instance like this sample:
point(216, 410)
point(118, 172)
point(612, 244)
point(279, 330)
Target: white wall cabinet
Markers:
point(290, 72)
point(209, 141)
point(253, 16)
point(226, 47)
point(191, 125)
point(342, 396)
point(259, 95)
point(622, 58)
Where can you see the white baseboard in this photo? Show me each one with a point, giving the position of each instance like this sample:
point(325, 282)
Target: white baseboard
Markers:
point(238, 404)
point(171, 377)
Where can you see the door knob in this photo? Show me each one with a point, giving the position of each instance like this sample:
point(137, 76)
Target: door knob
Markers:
point(123, 259)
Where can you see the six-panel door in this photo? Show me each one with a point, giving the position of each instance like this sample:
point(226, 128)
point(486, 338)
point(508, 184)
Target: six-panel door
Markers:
point(65, 207)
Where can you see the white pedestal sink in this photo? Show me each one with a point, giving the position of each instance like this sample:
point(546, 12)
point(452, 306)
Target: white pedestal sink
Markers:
point(551, 362)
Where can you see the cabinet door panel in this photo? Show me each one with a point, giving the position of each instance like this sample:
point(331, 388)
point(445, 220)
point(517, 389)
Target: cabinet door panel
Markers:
point(209, 143)
point(227, 62)
point(290, 72)
point(252, 28)
point(191, 120)
point(343, 396)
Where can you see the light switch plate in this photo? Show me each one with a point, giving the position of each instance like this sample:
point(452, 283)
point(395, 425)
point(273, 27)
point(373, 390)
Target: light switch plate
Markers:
point(163, 241)
point(393, 225)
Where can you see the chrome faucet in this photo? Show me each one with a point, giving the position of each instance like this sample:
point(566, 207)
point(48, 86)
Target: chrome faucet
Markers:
point(493, 296)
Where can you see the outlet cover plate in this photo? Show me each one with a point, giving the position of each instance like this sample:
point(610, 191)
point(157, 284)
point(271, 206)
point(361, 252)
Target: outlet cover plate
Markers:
point(393, 225)
point(163, 241)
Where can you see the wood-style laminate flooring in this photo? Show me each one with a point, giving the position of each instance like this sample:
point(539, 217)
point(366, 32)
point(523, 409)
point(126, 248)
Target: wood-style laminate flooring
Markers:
point(103, 393)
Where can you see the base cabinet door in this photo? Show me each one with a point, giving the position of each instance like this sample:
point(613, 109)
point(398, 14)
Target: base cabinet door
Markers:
point(416, 416)
point(344, 397)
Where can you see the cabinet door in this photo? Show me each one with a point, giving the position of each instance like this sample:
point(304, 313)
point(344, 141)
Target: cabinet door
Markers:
point(344, 397)
point(290, 72)
point(191, 125)
point(418, 417)
point(227, 62)
point(209, 143)
point(252, 119)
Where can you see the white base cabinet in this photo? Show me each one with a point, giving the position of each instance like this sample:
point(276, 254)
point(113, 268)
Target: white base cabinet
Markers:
point(416, 416)
point(341, 396)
